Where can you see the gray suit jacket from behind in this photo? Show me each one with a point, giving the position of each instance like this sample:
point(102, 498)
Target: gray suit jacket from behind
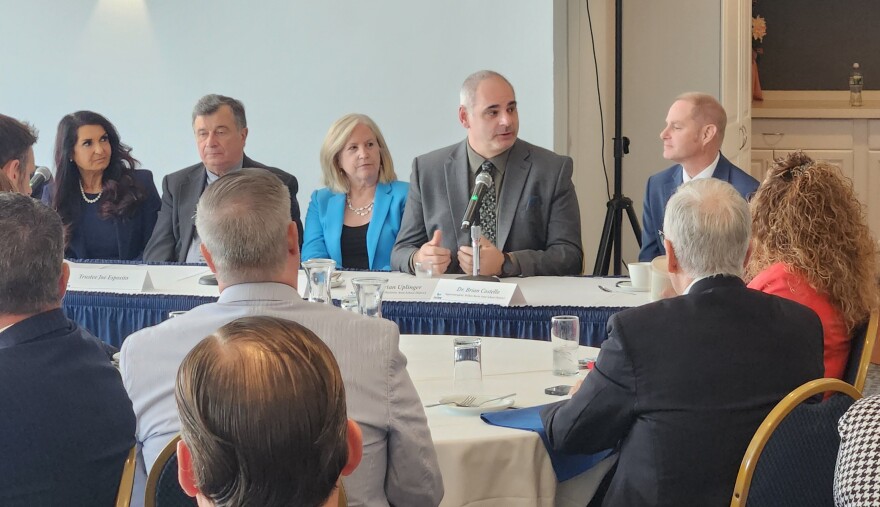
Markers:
point(399, 466)
point(539, 219)
point(181, 190)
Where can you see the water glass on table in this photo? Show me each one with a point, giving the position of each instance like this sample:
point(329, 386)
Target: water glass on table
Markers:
point(318, 273)
point(369, 295)
point(565, 337)
point(467, 365)
point(424, 269)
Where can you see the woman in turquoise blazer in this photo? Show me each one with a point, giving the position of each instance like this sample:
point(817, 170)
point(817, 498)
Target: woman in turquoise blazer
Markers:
point(355, 220)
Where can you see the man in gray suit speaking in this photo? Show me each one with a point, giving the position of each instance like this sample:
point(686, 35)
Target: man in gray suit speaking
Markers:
point(251, 244)
point(529, 215)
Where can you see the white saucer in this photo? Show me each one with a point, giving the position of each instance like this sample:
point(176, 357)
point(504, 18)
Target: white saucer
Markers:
point(335, 284)
point(491, 406)
point(627, 286)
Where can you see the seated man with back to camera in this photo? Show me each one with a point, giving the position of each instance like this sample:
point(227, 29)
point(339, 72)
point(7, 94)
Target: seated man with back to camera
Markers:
point(220, 127)
point(250, 243)
point(244, 440)
point(682, 384)
point(692, 139)
point(67, 424)
point(529, 216)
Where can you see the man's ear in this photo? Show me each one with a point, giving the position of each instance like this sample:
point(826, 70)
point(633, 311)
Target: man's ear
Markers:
point(208, 259)
point(672, 265)
point(244, 134)
point(463, 117)
point(185, 475)
point(62, 282)
point(748, 253)
point(10, 169)
point(709, 133)
point(355, 447)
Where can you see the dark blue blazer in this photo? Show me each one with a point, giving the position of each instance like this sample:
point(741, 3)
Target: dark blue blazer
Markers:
point(680, 387)
point(660, 188)
point(324, 224)
point(67, 424)
point(132, 234)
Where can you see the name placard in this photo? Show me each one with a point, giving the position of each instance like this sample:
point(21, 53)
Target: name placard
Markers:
point(412, 289)
point(473, 292)
point(115, 280)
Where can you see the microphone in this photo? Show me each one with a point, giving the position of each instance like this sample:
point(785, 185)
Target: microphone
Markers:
point(483, 182)
point(41, 176)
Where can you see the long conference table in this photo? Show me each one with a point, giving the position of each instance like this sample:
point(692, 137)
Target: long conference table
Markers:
point(112, 316)
point(489, 466)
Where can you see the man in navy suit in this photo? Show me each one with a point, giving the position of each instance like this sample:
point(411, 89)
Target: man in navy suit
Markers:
point(67, 424)
point(692, 138)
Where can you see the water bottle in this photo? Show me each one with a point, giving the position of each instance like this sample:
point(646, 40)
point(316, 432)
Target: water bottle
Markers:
point(855, 86)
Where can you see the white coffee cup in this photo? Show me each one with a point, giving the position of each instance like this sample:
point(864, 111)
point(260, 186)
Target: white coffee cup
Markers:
point(640, 275)
point(660, 281)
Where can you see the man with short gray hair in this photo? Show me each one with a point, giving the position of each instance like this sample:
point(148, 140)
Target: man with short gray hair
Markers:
point(681, 384)
point(220, 128)
point(67, 423)
point(250, 243)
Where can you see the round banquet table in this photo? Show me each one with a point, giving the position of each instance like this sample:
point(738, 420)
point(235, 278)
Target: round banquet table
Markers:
point(485, 465)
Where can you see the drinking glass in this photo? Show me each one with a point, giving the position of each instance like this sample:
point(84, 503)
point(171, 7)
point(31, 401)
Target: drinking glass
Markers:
point(318, 272)
point(424, 269)
point(565, 336)
point(467, 365)
point(369, 295)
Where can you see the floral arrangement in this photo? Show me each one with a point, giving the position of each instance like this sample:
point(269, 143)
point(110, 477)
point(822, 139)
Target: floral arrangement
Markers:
point(759, 30)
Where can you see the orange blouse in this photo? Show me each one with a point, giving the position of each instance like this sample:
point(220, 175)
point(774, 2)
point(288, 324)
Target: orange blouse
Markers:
point(777, 281)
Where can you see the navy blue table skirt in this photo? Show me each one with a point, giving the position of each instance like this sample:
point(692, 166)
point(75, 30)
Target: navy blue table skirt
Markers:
point(112, 317)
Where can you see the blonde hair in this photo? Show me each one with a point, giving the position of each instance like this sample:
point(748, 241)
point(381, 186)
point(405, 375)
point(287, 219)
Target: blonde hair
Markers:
point(806, 216)
point(334, 177)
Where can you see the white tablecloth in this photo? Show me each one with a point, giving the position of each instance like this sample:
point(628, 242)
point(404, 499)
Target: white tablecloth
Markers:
point(537, 290)
point(486, 465)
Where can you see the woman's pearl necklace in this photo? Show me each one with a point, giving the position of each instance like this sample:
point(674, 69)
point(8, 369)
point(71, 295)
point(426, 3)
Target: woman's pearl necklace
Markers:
point(93, 201)
point(362, 211)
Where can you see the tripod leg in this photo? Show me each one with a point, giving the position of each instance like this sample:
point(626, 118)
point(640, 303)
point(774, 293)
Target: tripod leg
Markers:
point(603, 257)
point(634, 222)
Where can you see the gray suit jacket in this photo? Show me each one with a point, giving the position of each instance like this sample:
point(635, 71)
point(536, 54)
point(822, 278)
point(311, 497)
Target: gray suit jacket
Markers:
point(175, 225)
point(539, 219)
point(399, 466)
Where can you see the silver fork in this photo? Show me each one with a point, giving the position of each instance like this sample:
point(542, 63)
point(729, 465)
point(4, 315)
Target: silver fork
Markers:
point(606, 289)
point(466, 402)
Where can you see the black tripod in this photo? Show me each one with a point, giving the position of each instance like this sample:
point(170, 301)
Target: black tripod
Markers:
point(612, 230)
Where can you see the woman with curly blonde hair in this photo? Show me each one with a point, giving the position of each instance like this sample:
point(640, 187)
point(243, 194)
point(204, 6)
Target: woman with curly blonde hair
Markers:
point(812, 245)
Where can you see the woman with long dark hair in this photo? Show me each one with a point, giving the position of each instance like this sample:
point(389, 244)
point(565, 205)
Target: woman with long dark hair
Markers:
point(108, 207)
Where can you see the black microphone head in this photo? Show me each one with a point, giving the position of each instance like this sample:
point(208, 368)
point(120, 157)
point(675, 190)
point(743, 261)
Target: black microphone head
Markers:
point(41, 175)
point(484, 177)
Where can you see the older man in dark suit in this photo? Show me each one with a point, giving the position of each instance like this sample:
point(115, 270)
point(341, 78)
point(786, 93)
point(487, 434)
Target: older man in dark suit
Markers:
point(220, 127)
point(682, 384)
point(530, 217)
